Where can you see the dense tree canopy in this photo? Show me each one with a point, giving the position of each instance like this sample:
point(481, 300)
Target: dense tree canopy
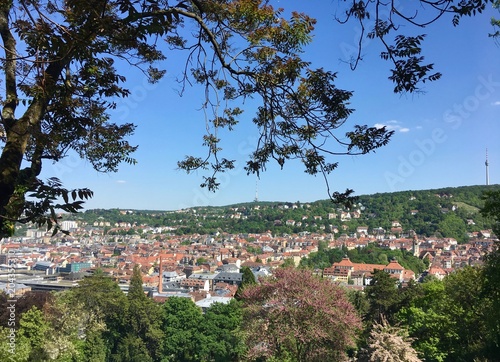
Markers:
point(182, 319)
point(102, 297)
point(190, 335)
point(291, 316)
point(143, 321)
point(442, 318)
point(491, 277)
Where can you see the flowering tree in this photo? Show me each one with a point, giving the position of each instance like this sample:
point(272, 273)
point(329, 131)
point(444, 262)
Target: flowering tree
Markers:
point(298, 315)
point(390, 344)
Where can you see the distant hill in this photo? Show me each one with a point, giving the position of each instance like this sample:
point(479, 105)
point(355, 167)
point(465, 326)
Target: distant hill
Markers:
point(447, 212)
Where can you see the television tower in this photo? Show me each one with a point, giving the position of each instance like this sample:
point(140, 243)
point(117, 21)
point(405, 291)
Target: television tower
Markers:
point(256, 191)
point(487, 171)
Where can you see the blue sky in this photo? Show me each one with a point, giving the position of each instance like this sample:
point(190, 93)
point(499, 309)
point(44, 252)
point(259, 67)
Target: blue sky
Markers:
point(440, 140)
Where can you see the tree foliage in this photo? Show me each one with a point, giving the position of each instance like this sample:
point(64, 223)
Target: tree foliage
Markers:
point(298, 314)
point(25, 343)
point(143, 322)
point(491, 279)
point(384, 20)
point(495, 22)
point(104, 299)
point(453, 226)
point(190, 335)
point(442, 318)
point(290, 316)
point(58, 332)
point(23, 303)
point(248, 278)
point(61, 61)
point(221, 331)
point(181, 320)
point(383, 295)
point(491, 208)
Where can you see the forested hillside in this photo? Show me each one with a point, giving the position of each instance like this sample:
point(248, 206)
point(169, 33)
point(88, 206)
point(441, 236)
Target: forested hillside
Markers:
point(446, 212)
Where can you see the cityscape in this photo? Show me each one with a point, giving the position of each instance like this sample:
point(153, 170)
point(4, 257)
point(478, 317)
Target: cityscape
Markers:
point(203, 266)
point(249, 181)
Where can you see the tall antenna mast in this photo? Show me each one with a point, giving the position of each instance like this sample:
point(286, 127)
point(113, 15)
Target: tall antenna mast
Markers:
point(487, 171)
point(256, 191)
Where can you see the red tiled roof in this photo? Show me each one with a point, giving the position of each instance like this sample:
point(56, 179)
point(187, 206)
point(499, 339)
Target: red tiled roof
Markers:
point(368, 267)
point(344, 262)
point(394, 265)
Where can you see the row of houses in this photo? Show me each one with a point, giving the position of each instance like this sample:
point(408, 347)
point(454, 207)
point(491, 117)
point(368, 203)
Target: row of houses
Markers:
point(360, 274)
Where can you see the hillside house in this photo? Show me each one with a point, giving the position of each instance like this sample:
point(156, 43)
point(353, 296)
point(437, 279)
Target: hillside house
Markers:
point(362, 230)
point(345, 216)
point(360, 274)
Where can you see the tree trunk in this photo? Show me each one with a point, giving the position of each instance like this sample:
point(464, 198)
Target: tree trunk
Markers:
point(10, 165)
